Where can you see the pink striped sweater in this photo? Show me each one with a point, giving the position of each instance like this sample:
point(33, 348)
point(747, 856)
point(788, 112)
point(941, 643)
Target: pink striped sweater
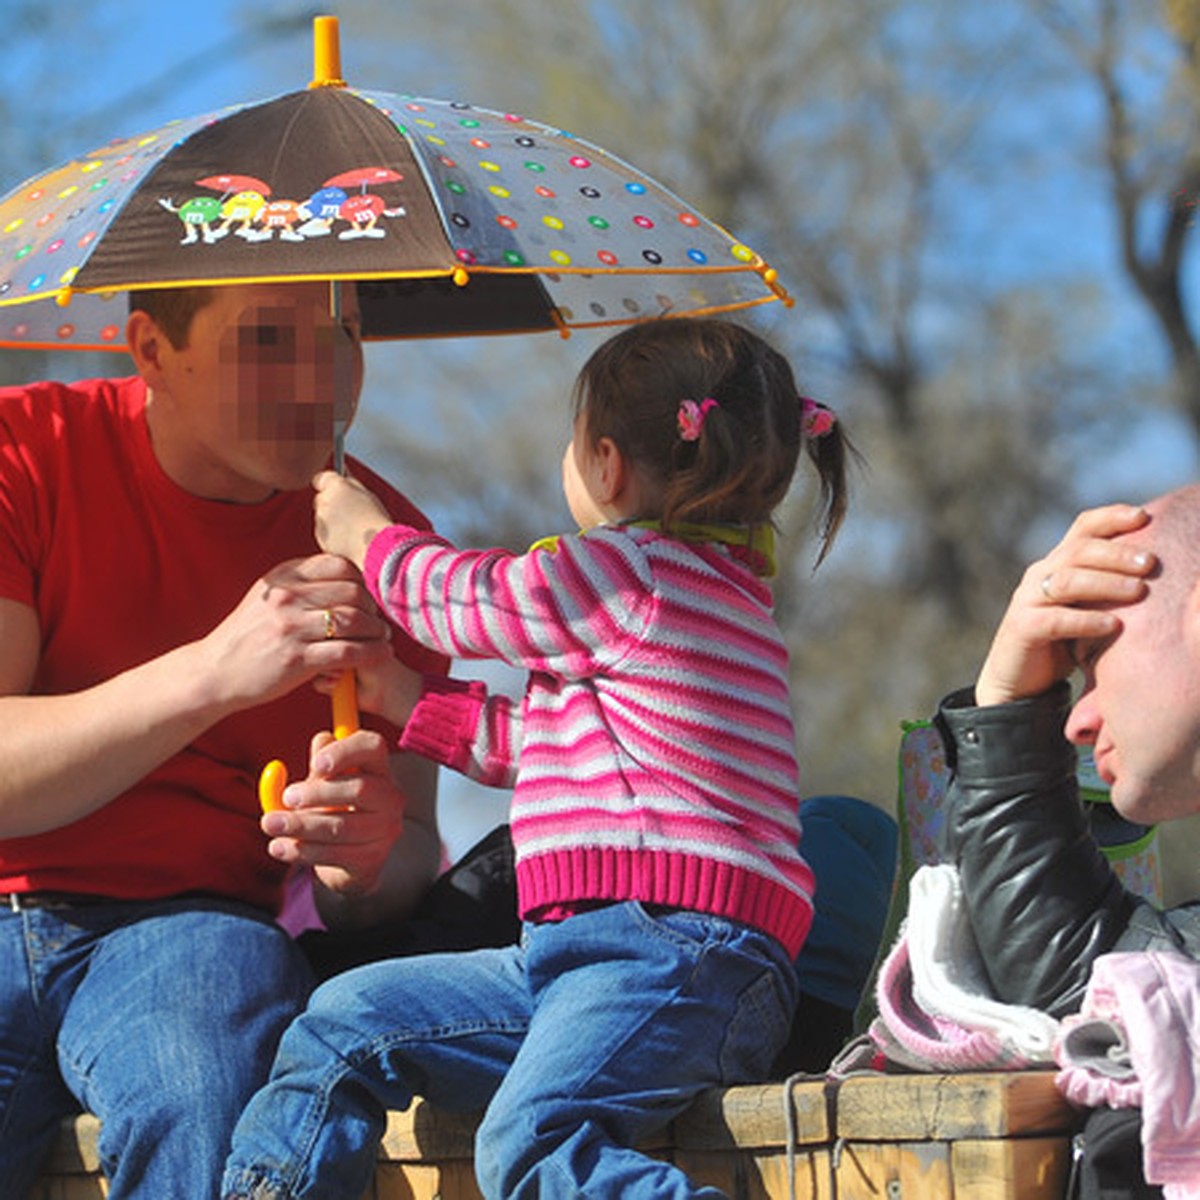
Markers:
point(653, 754)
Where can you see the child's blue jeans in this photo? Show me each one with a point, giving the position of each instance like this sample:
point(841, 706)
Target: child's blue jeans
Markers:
point(591, 1034)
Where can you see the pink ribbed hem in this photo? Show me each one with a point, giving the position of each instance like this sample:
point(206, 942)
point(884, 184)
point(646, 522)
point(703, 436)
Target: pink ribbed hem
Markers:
point(573, 876)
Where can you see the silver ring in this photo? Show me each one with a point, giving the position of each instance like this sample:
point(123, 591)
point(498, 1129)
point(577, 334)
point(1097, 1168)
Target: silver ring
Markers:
point(329, 626)
point(1046, 585)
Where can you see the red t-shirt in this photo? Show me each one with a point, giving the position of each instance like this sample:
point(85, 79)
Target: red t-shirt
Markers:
point(122, 565)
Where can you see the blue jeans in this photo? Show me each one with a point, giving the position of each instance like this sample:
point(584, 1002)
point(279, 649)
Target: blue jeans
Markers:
point(591, 1034)
point(161, 1018)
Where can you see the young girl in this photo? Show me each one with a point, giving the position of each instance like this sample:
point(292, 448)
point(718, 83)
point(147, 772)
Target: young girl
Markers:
point(654, 811)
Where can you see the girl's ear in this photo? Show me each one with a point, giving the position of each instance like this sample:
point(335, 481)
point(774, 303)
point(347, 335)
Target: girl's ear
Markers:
point(610, 471)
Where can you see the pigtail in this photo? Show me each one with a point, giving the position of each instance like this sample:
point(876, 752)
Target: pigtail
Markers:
point(828, 449)
point(704, 473)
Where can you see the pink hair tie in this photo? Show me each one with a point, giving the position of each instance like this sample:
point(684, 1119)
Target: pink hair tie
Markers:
point(691, 417)
point(815, 419)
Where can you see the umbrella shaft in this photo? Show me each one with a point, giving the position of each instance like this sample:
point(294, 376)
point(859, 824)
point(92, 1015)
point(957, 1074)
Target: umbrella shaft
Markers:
point(339, 427)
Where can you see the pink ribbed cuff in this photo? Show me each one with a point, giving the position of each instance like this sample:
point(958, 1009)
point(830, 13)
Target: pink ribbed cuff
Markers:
point(442, 724)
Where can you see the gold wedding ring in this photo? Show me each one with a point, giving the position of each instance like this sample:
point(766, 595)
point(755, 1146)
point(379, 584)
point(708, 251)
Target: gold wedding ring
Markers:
point(329, 626)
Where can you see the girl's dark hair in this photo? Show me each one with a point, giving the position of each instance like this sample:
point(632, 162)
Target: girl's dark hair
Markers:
point(740, 467)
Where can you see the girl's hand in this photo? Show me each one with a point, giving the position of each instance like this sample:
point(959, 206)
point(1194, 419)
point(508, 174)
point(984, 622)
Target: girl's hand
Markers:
point(387, 688)
point(347, 516)
point(1061, 600)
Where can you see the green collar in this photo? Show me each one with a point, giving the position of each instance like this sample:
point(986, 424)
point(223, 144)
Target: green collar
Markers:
point(753, 544)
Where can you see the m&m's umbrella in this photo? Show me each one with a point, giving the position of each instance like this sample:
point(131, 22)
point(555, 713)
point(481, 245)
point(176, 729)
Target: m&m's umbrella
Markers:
point(449, 219)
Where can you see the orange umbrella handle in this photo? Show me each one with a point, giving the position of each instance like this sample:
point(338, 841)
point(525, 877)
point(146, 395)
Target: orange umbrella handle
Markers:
point(274, 775)
point(271, 783)
point(345, 706)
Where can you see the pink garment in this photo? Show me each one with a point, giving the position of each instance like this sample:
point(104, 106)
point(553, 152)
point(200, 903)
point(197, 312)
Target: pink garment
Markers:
point(912, 1037)
point(652, 756)
point(1153, 1000)
point(298, 914)
point(936, 1008)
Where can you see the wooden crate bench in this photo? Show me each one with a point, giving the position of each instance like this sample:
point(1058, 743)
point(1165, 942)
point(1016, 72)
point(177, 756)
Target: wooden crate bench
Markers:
point(1002, 1136)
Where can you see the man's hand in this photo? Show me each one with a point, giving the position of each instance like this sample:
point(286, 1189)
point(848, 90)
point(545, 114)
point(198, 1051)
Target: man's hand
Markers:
point(345, 817)
point(304, 618)
point(366, 822)
point(1061, 599)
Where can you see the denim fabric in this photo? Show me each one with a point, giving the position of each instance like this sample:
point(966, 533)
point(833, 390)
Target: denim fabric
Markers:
point(588, 1036)
point(161, 1018)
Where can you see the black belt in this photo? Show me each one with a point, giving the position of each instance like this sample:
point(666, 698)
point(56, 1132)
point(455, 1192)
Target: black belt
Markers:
point(20, 901)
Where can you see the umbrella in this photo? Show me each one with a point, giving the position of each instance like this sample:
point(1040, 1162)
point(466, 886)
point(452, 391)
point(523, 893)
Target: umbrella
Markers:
point(449, 218)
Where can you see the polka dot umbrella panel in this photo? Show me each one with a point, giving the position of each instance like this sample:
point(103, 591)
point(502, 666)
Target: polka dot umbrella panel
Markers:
point(451, 220)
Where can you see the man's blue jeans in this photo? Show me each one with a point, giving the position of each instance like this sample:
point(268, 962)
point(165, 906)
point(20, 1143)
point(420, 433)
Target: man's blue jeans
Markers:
point(161, 1018)
point(591, 1034)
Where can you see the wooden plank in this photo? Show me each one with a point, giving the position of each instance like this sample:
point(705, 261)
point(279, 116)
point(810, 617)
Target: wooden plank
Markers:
point(434, 1181)
point(760, 1176)
point(1024, 1168)
point(754, 1116)
point(425, 1133)
point(895, 1171)
point(982, 1136)
point(69, 1187)
point(941, 1107)
point(973, 1169)
point(76, 1149)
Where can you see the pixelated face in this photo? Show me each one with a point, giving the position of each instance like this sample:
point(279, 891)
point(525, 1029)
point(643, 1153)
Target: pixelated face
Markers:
point(266, 376)
point(200, 210)
point(292, 372)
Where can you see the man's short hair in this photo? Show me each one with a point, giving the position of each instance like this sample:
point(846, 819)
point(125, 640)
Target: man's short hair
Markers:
point(171, 309)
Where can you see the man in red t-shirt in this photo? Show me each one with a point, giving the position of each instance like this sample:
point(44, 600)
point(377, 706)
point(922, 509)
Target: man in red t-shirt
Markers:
point(164, 618)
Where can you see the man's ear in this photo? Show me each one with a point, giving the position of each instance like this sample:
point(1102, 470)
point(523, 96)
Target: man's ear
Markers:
point(611, 472)
point(147, 345)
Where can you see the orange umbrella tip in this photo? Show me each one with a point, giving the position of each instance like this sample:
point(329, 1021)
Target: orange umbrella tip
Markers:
point(770, 277)
point(327, 54)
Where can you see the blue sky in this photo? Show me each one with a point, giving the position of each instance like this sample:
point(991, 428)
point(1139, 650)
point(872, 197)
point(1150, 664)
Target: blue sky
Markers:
point(155, 65)
point(145, 62)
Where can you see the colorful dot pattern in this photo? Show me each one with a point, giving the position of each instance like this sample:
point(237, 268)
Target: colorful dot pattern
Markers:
point(609, 244)
point(50, 224)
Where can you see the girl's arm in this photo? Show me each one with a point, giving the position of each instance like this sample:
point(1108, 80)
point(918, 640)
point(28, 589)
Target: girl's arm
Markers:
point(569, 610)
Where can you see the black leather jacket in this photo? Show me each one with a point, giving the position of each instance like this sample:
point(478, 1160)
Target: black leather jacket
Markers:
point(1043, 900)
